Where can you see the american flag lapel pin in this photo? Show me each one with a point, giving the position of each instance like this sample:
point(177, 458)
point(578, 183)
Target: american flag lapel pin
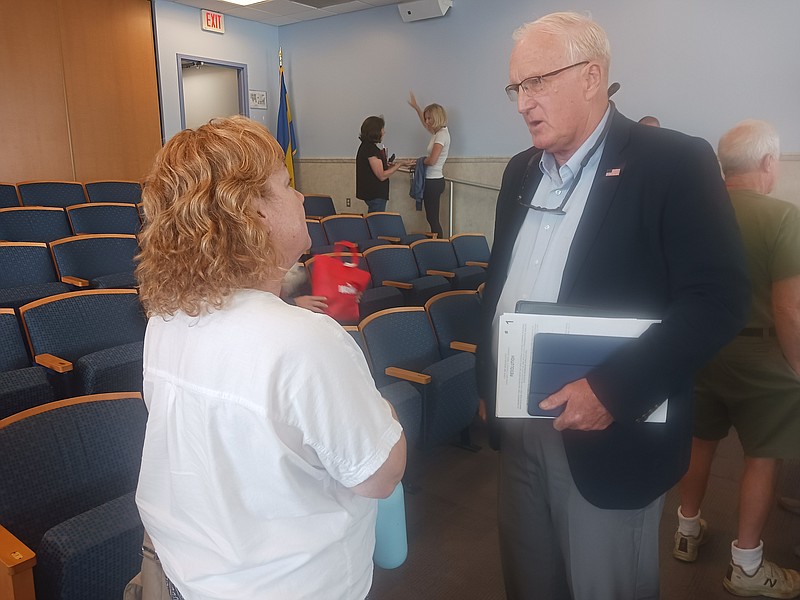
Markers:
point(613, 172)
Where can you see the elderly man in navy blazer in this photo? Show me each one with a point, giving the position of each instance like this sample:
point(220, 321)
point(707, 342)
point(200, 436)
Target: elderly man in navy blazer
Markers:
point(608, 214)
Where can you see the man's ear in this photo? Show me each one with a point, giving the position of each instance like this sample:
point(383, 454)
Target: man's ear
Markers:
point(768, 163)
point(593, 80)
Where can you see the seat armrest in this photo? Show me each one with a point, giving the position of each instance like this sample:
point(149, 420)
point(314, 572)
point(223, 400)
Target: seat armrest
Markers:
point(397, 284)
point(54, 363)
point(448, 274)
point(389, 238)
point(463, 346)
point(16, 568)
point(476, 263)
point(76, 281)
point(405, 374)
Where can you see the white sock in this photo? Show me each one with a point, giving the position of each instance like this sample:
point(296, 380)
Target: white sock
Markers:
point(748, 559)
point(689, 526)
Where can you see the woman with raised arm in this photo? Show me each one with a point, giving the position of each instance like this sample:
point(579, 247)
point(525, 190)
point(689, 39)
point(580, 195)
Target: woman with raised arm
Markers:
point(434, 119)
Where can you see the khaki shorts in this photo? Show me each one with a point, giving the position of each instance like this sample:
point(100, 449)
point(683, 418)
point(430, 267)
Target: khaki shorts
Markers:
point(750, 386)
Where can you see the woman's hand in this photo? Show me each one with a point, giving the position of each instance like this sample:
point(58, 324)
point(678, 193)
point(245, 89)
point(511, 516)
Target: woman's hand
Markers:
point(316, 304)
point(412, 101)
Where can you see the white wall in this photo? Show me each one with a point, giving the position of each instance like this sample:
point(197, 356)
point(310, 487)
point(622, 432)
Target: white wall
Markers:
point(209, 91)
point(700, 66)
point(254, 44)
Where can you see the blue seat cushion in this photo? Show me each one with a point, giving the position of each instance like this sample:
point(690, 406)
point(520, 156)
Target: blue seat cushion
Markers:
point(379, 298)
point(93, 555)
point(115, 280)
point(17, 296)
point(117, 369)
point(425, 288)
point(407, 403)
point(468, 278)
point(22, 389)
point(451, 399)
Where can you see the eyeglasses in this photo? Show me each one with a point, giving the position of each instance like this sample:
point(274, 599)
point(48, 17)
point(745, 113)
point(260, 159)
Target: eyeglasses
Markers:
point(559, 210)
point(536, 84)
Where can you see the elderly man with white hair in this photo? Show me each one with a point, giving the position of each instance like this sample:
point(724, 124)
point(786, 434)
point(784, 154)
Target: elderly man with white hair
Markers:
point(753, 384)
point(606, 214)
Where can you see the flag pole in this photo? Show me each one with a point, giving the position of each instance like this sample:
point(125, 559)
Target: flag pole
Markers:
point(280, 56)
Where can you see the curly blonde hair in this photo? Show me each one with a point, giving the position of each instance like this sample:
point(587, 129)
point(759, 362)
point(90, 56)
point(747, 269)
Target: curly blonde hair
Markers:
point(201, 239)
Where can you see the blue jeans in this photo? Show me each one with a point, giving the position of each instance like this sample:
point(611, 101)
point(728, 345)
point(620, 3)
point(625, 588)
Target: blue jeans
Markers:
point(376, 205)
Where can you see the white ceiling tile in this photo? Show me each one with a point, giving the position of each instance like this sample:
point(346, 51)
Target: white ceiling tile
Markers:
point(348, 7)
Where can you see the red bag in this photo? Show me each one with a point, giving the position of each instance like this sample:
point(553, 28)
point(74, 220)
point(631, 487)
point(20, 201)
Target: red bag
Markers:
point(339, 279)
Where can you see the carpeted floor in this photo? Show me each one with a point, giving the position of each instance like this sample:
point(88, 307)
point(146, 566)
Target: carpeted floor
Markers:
point(452, 530)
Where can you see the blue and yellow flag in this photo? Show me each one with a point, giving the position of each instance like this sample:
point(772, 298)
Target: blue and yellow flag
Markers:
point(285, 129)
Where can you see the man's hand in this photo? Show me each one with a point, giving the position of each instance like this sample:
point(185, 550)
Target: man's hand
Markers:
point(316, 304)
point(582, 411)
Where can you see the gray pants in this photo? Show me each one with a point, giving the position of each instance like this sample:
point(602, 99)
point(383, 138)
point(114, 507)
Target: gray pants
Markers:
point(553, 543)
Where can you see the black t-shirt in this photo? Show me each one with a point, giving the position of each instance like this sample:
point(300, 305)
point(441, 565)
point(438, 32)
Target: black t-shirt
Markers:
point(369, 187)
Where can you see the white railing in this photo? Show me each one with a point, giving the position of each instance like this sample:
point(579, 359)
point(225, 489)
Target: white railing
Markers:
point(476, 184)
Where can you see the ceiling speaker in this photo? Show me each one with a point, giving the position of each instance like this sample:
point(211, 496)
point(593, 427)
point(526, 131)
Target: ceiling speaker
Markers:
point(423, 9)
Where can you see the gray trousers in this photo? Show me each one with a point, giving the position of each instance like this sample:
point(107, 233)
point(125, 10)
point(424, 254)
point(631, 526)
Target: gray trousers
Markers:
point(553, 543)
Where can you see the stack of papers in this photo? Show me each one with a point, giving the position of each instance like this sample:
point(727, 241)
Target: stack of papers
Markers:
point(540, 353)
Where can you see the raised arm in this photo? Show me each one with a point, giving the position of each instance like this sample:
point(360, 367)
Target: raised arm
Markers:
point(412, 102)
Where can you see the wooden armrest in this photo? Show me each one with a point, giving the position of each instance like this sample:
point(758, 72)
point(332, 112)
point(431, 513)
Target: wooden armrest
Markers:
point(54, 363)
point(432, 235)
point(16, 568)
point(76, 281)
point(476, 263)
point(411, 376)
point(389, 238)
point(463, 346)
point(397, 284)
point(448, 274)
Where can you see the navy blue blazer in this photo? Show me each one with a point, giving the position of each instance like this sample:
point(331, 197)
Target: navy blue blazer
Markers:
point(658, 239)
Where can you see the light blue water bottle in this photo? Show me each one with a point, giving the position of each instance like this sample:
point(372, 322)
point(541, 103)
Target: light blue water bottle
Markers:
point(391, 543)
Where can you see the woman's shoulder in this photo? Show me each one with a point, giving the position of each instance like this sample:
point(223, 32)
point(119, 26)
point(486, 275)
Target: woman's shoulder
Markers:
point(442, 136)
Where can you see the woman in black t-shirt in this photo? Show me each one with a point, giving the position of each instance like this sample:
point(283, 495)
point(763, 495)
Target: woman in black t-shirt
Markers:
point(372, 168)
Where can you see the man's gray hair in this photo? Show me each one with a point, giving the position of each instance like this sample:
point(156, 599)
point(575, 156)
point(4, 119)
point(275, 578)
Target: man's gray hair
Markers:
point(742, 149)
point(583, 38)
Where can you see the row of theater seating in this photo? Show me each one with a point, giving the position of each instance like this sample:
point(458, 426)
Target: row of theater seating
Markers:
point(69, 527)
point(70, 344)
point(45, 224)
point(422, 360)
point(364, 231)
point(70, 466)
point(403, 275)
point(67, 193)
point(68, 520)
point(90, 341)
point(31, 270)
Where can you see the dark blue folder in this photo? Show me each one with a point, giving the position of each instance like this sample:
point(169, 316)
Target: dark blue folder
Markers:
point(560, 358)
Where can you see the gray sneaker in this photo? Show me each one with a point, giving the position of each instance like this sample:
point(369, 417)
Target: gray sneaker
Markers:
point(770, 580)
point(686, 546)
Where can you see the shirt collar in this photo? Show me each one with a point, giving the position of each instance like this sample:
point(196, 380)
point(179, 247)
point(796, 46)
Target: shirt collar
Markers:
point(549, 167)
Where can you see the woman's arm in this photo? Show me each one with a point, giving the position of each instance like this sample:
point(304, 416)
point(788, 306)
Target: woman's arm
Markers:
point(412, 101)
point(434, 155)
point(382, 482)
point(376, 164)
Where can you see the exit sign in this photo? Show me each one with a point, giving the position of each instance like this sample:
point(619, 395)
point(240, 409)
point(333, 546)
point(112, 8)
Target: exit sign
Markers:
point(213, 21)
